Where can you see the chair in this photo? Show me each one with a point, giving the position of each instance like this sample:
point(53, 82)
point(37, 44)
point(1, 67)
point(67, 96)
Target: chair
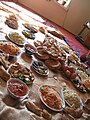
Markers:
point(87, 25)
point(79, 37)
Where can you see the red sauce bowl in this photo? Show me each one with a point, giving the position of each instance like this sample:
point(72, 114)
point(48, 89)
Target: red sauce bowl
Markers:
point(17, 89)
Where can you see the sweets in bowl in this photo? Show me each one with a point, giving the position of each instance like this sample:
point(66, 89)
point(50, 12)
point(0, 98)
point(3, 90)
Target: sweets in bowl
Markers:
point(17, 89)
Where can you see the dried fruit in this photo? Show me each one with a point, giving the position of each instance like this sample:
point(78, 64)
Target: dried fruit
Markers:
point(71, 69)
point(73, 75)
point(65, 67)
point(67, 73)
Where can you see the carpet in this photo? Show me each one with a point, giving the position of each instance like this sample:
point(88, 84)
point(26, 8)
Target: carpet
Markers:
point(76, 46)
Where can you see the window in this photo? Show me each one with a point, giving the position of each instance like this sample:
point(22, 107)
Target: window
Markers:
point(64, 3)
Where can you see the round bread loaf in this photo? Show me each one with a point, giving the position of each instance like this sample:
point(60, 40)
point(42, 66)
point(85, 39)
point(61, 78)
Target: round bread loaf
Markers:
point(41, 55)
point(53, 64)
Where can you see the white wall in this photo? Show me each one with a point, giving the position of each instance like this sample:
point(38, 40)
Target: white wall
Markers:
point(49, 10)
point(78, 14)
point(72, 20)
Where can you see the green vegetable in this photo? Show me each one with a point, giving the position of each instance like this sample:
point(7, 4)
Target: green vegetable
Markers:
point(24, 79)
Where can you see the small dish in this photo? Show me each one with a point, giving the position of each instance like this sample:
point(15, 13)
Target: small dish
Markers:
point(29, 49)
point(40, 68)
point(28, 34)
point(79, 85)
point(53, 99)
point(17, 89)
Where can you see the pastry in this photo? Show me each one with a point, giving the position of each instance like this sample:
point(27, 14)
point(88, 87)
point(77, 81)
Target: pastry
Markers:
point(42, 30)
point(11, 21)
point(4, 60)
point(4, 74)
point(37, 43)
point(53, 64)
point(41, 55)
point(32, 107)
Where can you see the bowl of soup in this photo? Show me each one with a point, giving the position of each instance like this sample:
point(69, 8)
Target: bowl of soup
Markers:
point(17, 88)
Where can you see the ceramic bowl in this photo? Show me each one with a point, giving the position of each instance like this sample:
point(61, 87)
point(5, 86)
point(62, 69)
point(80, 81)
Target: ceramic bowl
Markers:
point(17, 89)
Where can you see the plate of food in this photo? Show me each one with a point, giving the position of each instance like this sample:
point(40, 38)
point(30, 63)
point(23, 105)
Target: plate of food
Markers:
point(9, 48)
point(41, 55)
point(86, 83)
point(82, 74)
point(40, 68)
point(72, 99)
point(16, 38)
point(21, 72)
point(51, 98)
point(28, 34)
point(32, 28)
point(79, 85)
